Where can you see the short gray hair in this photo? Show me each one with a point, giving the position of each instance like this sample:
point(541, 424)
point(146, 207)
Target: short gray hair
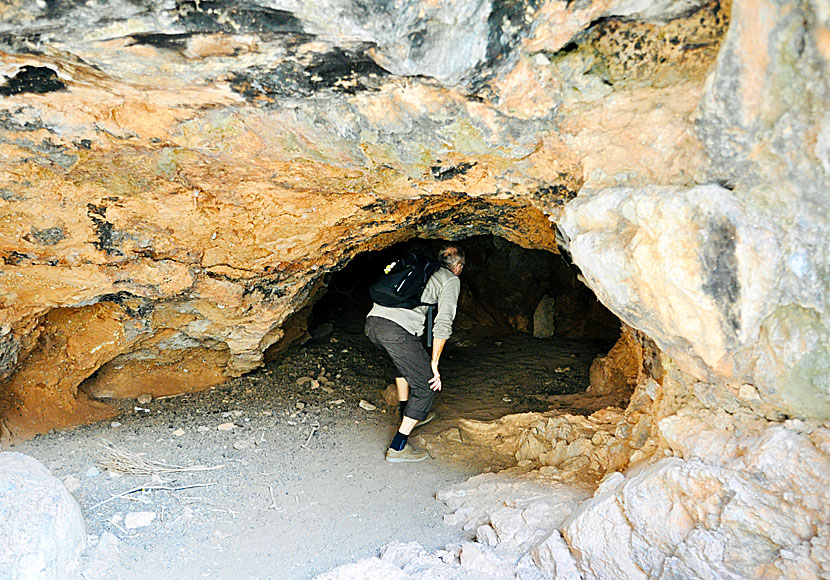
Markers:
point(449, 256)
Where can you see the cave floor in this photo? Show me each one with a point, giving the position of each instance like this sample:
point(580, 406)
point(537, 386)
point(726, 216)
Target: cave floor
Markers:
point(303, 485)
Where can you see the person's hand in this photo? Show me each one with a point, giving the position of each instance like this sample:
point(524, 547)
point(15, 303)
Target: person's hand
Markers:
point(435, 381)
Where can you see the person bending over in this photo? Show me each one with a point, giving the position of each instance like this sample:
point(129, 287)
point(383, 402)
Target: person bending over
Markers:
point(398, 331)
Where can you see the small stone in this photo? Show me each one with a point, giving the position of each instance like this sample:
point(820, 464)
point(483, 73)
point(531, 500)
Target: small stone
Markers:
point(102, 564)
point(144, 399)
point(749, 392)
point(327, 390)
point(303, 380)
point(242, 445)
point(115, 424)
point(92, 472)
point(337, 402)
point(543, 318)
point(225, 427)
point(71, 483)
point(453, 434)
point(485, 534)
point(178, 432)
point(300, 405)
point(367, 405)
point(322, 331)
point(135, 520)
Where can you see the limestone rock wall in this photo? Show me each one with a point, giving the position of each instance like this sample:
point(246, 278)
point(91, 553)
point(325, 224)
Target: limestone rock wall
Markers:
point(730, 279)
point(731, 283)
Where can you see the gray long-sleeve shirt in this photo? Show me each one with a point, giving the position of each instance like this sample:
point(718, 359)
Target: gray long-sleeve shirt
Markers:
point(443, 287)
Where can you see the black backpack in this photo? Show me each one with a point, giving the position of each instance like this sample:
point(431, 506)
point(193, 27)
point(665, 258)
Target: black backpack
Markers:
point(403, 282)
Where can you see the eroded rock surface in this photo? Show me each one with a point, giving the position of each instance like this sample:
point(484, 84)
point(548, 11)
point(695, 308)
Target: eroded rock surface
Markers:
point(179, 178)
point(43, 531)
point(196, 169)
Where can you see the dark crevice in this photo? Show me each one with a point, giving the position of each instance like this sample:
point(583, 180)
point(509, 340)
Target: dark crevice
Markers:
point(32, 79)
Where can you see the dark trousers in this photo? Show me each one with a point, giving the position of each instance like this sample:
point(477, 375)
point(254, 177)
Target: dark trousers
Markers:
point(410, 359)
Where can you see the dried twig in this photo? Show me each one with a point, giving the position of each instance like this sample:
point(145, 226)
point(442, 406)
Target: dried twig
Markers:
point(310, 435)
point(123, 461)
point(148, 488)
point(273, 505)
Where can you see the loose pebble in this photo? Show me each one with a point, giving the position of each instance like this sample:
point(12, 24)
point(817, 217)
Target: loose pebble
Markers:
point(71, 483)
point(144, 399)
point(367, 405)
point(135, 520)
point(178, 432)
point(225, 427)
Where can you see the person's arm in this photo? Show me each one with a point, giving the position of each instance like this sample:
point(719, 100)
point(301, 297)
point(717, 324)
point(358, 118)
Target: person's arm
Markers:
point(437, 349)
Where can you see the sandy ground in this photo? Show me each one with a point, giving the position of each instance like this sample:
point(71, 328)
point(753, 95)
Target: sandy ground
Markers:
point(300, 484)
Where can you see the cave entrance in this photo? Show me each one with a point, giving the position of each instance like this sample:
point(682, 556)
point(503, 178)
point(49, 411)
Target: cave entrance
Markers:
point(493, 365)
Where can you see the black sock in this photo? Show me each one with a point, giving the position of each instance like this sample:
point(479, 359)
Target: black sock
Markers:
point(399, 442)
point(401, 407)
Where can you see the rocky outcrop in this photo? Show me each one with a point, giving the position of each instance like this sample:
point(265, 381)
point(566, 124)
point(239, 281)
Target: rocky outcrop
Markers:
point(732, 507)
point(180, 178)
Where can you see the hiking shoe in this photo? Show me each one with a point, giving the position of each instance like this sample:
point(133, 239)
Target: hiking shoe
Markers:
point(405, 455)
point(430, 416)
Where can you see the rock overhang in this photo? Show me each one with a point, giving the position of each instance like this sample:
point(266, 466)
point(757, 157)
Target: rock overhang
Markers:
point(208, 161)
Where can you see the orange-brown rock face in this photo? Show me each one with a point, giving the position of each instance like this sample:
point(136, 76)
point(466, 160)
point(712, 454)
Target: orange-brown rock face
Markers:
point(176, 183)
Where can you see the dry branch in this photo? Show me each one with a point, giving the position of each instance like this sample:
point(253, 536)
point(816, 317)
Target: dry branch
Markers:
point(120, 460)
point(148, 488)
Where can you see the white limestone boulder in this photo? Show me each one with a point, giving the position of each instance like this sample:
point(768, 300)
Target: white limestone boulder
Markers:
point(688, 267)
point(761, 511)
point(42, 533)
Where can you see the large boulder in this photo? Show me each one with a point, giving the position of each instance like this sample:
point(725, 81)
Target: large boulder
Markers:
point(43, 531)
point(726, 507)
